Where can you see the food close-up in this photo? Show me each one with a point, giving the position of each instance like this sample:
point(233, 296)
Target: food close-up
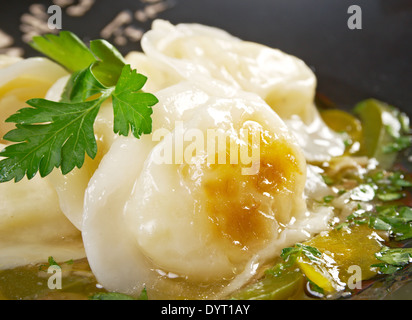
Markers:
point(153, 151)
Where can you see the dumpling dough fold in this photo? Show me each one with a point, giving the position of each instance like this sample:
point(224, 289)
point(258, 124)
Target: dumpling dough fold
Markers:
point(22, 80)
point(174, 226)
point(200, 53)
point(285, 82)
point(32, 225)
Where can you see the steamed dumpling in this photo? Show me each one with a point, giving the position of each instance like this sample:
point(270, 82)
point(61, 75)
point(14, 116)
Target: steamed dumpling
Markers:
point(201, 53)
point(32, 226)
point(6, 60)
point(173, 218)
point(23, 80)
point(157, 78)
point(71, 187)
point(211, 214)
point(285, 82)
point(167, 212)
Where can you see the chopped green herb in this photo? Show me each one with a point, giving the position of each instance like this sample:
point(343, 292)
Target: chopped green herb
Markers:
point(400, 143)
point(397, 220)
point(118, 296)
point(52, 262)
point(143, 295)
point(342, 191)
point(388, 186)
point(328, 199)
point(290, 256)
point(390, 196)
point(393, 259)
point(111, 296)
point(327, 179)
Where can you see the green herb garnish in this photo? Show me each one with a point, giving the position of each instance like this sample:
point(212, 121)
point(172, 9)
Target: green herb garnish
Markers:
point(388, 186)
point(111, 296)
point(118, 296)
point(328, 199)
point(53, 134)
point(393, 259)
point(52, 262)
point(291, 254)
point(396, 220)
point(66, 49)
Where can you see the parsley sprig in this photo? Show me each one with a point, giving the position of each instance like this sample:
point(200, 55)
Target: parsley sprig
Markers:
point(59, 134)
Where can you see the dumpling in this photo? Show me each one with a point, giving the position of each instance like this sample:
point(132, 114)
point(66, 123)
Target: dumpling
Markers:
point(286, 83)
point(32, 226)
point(6, 60)
point(23, 80)
point(71, 187)
point(157, 78)
point(318, 142)
point(172, 214)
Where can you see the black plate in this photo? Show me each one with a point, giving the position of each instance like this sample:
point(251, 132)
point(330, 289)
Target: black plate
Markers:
point(351, 65)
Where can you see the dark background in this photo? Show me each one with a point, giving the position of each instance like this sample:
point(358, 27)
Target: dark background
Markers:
point(350, 64)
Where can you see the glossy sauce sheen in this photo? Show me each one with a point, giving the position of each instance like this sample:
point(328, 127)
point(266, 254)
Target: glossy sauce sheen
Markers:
point(241, 209)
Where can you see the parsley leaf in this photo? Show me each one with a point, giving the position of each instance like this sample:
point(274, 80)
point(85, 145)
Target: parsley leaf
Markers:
point(110, 62)
point(53, 134)
point(66, 49)
point(49, 135)
point(132, 106)
point(101, 74)
point(81, 86)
